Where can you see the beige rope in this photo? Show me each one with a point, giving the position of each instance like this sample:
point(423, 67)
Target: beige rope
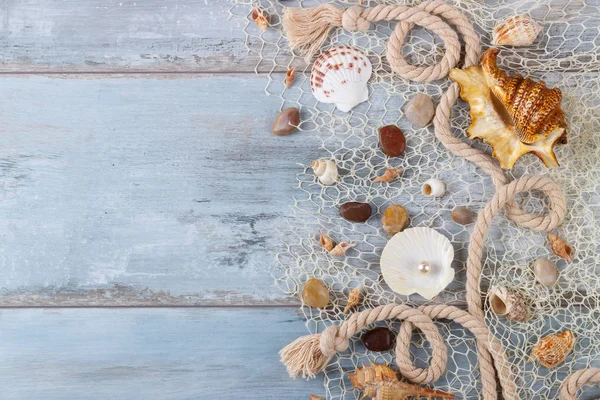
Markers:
point(575, 381)
point(307, 30)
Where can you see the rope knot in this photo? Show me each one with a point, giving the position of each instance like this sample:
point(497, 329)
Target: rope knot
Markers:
point(331, 342)
point(353, 20)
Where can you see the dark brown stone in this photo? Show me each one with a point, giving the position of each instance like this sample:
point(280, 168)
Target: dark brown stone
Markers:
point(355, 211)
point(379, 339)
point(392, 141)
point(286, 122)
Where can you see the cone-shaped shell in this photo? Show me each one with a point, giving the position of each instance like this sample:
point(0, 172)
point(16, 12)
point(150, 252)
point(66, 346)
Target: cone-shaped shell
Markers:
point(340, 76)
point(514, 115)
point(405, 255)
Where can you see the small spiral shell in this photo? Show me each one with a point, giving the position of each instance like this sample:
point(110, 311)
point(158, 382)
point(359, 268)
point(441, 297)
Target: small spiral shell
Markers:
point(354, 299)
point(326, 171)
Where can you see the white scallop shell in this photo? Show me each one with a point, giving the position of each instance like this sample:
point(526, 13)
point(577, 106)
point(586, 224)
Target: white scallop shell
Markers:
point(340, 76)
point(326, 171)
point(516, 31)
point(406, 250)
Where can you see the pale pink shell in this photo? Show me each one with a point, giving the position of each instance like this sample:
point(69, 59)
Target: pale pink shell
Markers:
point(516, 31)
point(340, 76)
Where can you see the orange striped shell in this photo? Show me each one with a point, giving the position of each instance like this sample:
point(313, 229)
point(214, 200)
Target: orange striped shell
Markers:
point(553, 349)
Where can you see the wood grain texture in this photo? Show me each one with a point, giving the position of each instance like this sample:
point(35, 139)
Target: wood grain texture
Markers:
point(118, 191)
point(157, 354)
point(117, 35)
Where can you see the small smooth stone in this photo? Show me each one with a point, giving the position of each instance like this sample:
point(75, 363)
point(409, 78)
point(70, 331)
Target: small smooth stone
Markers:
point(545, 271)
point(355, 211)
point(462, 215)
point(315, 293)
point(419, 110)
point(379, 339)
point(394, 219)
point(392, 141)
point(286, 122)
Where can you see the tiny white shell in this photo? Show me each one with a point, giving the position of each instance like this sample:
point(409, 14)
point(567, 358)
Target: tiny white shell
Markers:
point(405, 255)
point(340, 76)
point(326, 171)
point(516, 31)
point(434, 188)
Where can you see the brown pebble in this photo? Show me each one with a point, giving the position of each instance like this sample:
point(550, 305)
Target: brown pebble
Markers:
point(392, 141)
point(379, 339)
point(355, 211)
point(286, 122)
point(394, 219)
point(315, 293)
point(462, 215)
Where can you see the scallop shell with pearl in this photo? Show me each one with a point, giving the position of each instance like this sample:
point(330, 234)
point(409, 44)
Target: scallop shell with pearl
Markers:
point(418, 260)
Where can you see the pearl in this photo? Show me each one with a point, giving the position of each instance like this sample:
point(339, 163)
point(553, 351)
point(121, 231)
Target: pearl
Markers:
point(424, 267)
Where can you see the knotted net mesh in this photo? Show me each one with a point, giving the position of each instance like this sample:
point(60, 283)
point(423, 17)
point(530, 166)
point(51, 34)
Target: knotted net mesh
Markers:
point(565, 55)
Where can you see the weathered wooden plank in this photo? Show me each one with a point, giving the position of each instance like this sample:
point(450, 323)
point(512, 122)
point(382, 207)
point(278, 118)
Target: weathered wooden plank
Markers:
point(149, 354)
point(117, 35)
point(142, 191)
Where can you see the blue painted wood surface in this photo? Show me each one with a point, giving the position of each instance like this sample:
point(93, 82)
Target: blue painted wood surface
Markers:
point(159, 354)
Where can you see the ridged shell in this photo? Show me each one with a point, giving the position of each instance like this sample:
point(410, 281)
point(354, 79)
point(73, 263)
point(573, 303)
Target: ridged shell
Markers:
point(516, 31)
point(553, 349)
point(509, 304)
point(326, 171)
point(403, 253)
point(340, 76)
point(514, 115)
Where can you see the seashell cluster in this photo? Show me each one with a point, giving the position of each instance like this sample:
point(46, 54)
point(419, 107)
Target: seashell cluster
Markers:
point(354, 299)
point(560, 247)
point(510, 304)
point(514, 115)
point(326, 171)
point(341, 248)
point(290, 77)
point(260, 17)
point(380, 382)
point(553, 349)
point(389, 175)
point(434, 188)
point(516, 31)
point(418, 260)
point(340, 76)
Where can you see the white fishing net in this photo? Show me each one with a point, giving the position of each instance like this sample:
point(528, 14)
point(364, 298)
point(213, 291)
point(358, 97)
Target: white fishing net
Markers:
point(566, 56)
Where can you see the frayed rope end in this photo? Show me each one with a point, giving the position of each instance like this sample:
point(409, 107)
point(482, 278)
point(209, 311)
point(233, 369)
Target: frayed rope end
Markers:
point(304, 357)
point(308, 28)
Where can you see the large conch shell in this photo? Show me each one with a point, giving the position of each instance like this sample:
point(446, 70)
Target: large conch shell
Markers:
point(340, 76)
point(418, 260)
point(514, 115)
